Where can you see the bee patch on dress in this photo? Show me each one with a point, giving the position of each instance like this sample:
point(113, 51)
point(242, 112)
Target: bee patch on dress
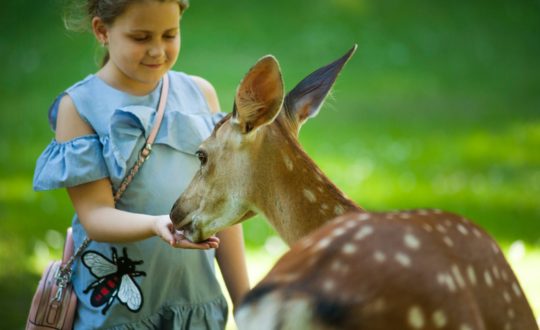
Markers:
point(114, 279)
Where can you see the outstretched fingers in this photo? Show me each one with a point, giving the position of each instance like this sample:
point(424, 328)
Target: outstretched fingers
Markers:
point(180, 241)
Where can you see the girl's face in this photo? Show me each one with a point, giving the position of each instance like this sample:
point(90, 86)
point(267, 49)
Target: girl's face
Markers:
point(144, 41)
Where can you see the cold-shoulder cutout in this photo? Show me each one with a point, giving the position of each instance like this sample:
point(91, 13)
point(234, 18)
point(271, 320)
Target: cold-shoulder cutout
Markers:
point(209, 93)
point(69, 123)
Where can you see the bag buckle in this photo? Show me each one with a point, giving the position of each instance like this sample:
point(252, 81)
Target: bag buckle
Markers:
point(62, 277)
point(145, 152)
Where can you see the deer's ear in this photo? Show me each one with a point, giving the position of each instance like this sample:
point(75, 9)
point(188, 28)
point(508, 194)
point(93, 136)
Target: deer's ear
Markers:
point(305, 99)
point(259, 96)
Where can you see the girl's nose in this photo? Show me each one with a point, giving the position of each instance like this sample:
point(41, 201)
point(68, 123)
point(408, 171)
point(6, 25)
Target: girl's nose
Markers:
point(156, 50)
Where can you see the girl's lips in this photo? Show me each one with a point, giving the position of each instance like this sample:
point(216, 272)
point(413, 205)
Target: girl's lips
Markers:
point(153, 66)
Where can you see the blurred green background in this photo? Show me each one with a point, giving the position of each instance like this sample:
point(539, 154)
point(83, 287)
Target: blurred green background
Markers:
point(440, 107)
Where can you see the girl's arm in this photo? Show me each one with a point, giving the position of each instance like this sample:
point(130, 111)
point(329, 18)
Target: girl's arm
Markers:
point(231, 259)
point(94, 201)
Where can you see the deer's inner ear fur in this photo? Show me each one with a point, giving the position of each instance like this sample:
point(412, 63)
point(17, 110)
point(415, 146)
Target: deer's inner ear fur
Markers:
point(305, 100)
point(260, 95)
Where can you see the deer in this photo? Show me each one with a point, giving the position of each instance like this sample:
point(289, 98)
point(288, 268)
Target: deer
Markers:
point(347, 268)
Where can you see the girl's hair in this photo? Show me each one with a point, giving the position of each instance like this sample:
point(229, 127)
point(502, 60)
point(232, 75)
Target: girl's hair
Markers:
point(80, 13)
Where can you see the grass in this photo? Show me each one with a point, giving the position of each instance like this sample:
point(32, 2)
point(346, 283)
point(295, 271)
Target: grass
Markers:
point(440, 107)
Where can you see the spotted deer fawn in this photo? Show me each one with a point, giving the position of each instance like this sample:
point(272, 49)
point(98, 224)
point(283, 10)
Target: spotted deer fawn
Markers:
point(347, 268)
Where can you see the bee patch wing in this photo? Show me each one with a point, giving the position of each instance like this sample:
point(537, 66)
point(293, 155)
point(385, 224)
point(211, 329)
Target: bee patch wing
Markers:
point(130, 294)
point(98, 264)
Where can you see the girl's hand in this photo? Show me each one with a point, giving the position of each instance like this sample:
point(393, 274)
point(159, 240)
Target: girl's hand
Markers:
point(164, 228)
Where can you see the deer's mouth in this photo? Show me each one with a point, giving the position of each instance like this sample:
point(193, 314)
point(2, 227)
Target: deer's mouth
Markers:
point(189, 228)
point(190, 234)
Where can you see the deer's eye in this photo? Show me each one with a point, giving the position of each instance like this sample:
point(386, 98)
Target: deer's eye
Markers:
point(203, 157)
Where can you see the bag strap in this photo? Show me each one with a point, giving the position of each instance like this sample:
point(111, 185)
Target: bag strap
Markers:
point(147, 149)
point(144, 154)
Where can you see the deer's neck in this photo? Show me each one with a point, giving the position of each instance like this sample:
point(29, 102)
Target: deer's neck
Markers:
point(295, 196)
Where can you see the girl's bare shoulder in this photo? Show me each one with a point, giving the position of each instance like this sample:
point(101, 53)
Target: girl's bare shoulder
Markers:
point(69, 123)
point(208, 91)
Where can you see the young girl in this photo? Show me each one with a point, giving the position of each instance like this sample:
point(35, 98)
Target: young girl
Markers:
point(101, 124)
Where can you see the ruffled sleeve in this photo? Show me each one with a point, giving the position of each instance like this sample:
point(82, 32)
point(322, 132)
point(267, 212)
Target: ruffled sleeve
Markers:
point(70, 163)
point(131, 125)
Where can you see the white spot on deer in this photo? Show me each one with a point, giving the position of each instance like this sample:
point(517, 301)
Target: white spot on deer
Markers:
point(404, 215)
point(448, 241)
point(363, 232)
point(516, 289)
point(379, 256)
point(403, 259)
point(487, 278)
point(339, 231)
point(462, 229)
point(329, 285)
point(440, 228)
point(324, 206)
point(320, 189)
point(423, 212)
point(457, 274)
point(339, 210)
point(471, 274)
point(288, 163)
point(477, 232)
point(437, 211)
point(511, 313)
point(351, 224)
point(495, 247)
point(495, 271)
point(306, 242)
point(411, 241)
point(504, 275)
point(310, 196)
point(465, 327)
point(349, 248)
point(338, 266)
point(439, 318)
point(286, 277)
point(446, 280)
point(507, 296)
point(363, 216)
point(323, 243)
point(415, 317)
point(427, 227)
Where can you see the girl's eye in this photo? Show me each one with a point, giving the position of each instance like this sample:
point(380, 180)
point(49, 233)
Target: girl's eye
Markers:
point(202, 156)
point(140, 38)
point(170, 36)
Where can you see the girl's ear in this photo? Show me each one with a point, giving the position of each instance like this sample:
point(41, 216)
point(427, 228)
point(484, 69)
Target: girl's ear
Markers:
point(100, 30)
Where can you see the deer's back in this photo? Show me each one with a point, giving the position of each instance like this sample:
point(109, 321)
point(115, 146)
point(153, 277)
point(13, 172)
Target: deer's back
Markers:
point(417, 270)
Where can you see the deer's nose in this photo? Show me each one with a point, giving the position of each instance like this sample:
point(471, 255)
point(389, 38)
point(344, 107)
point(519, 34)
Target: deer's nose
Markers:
point(178, 216)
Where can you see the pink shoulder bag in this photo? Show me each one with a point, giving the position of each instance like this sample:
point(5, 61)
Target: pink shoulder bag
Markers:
point(54, 304)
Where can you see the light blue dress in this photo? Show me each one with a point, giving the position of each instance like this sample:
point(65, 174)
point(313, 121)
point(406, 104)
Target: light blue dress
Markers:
point(146, 284)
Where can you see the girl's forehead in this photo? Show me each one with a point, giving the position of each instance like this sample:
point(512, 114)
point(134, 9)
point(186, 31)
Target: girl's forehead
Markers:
point(150, 15)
